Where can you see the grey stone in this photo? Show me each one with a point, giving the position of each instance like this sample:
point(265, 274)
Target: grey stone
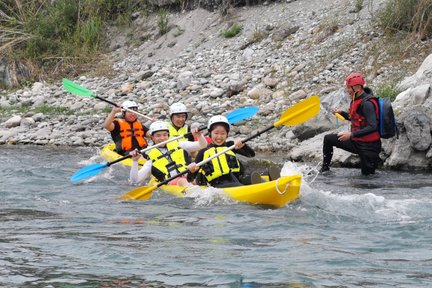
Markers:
point(418, 129)
point(13, 122)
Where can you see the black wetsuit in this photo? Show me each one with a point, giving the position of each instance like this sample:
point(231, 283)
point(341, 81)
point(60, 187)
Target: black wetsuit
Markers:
point(368, 151)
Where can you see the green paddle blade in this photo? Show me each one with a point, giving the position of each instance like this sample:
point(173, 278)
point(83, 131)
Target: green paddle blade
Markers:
point(76, 89)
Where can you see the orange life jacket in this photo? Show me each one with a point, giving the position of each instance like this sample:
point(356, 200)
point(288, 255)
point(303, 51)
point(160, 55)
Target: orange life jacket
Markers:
point(128, 131)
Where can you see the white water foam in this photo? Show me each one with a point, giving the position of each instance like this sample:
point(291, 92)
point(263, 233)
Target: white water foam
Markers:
point(92, 160)
point(368, 206)
point(208, 196)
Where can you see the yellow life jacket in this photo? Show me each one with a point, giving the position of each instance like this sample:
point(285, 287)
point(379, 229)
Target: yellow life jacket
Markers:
point(128, 131)
point(173, 132)
point(221, 165)
point(169, 164)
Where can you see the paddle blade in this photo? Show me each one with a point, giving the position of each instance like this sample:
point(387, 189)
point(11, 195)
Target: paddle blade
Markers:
point(300, 112)
point(339, 116)
point(241, 114)
point(140, 193)
point(87, 172)
point(76, 89)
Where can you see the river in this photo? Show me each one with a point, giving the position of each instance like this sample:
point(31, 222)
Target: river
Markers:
point(345, 231)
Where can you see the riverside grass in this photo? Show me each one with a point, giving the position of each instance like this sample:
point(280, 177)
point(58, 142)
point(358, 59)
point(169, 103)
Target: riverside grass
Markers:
point(413, 16)
point(63, 29)
point(66, 37)
point(57, 34)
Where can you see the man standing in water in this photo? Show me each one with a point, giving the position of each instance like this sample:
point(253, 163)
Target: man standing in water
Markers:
point(364, 138)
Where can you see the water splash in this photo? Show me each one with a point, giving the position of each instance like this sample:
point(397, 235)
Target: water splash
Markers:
point(92, 160)
point(367, 207)
point(209, 196)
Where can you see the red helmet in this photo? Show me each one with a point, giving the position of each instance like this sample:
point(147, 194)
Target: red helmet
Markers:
point(355, 79)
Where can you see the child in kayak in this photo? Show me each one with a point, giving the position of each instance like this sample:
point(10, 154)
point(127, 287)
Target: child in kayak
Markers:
point(167, 160)
point(179, 113)
point(224, 170)
point(127, 132)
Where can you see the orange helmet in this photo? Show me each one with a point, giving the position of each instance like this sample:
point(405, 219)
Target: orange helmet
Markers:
point(355, 79)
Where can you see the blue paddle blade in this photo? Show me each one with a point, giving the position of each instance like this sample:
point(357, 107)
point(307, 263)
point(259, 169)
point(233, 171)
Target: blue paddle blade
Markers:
point(241, 114)
point(87, 172)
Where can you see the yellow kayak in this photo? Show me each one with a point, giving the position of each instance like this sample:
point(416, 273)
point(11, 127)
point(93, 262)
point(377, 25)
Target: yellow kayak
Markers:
point(275, 193)
point(109, 155)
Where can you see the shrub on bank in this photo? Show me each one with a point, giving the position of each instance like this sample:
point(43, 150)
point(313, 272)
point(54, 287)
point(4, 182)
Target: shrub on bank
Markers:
point(414, 16)
point(386, 90)
point(232, 31)
point(52, 33)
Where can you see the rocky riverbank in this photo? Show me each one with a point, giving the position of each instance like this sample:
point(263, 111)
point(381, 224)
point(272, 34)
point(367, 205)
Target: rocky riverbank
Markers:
point(284, 53)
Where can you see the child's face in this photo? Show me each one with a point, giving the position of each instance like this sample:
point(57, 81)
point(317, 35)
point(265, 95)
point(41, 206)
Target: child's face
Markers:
point(160, 136)
point(129, 116)
point(179, 120)
point(219, 134)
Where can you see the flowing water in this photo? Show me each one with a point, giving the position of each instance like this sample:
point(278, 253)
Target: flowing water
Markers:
point(345, 231)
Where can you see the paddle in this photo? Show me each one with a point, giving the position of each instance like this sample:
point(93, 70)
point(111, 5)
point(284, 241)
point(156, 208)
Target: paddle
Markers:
point(297, 114)
point(91, 170)
point(78, 90)
point(339, 116)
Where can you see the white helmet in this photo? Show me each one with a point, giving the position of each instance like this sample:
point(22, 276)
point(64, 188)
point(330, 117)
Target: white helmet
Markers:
point(158, 126)
point(177, 108)
point(128, 104)
point(218, 119)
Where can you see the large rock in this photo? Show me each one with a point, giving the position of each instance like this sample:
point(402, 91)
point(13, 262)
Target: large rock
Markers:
point(13, 122)
point(412, 96)
point(184, 79)
point(418, 129)
point(258, 92)
point(422, 76)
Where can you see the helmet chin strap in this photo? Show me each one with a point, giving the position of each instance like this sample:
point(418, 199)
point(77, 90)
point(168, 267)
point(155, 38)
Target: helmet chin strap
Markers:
point(354, 94)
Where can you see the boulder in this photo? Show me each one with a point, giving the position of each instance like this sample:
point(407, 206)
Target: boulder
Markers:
point(418, 129)
point(422, 76)
point(412, 96)
point(13, 122)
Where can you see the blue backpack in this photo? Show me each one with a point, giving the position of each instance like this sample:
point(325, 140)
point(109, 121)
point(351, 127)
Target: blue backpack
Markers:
point(387, 121)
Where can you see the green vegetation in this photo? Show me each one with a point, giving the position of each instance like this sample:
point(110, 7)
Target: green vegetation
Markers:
point(52, 110)
point(386, 90)
point(45, 109)
point(413, 16)
point(57, 34)
point(232, 31)
point(358, 6)
point(163, 22)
